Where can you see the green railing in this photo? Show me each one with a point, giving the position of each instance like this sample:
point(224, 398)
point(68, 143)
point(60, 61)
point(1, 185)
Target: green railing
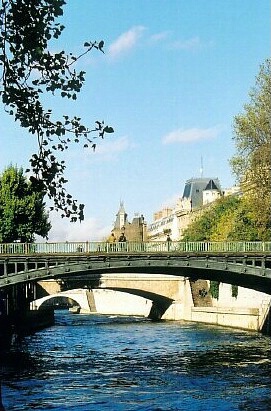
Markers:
point(135, 247)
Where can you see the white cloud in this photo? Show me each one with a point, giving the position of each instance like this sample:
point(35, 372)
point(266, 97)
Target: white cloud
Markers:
point(109, 150)
point(116, 146)
point(88, 230)
point(106, 150)
point(191, 135)
point(126, 41)
point(193, 43)
point(160, 36)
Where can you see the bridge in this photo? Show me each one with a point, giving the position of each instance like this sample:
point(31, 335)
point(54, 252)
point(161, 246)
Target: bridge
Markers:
point(247, 264)
point(131, 267)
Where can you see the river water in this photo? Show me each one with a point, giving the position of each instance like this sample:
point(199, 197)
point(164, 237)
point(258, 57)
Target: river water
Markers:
point(94, 362)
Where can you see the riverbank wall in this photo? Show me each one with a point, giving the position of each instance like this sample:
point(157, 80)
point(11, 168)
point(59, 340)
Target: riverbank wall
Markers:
point(248, 310)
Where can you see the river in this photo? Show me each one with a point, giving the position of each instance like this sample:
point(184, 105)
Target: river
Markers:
point(95, 362)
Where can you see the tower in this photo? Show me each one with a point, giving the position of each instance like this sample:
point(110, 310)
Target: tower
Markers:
point(121, 218)
point(134, 231)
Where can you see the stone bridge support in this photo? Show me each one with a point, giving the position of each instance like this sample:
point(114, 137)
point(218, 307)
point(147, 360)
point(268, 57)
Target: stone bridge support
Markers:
point(48, 287)
point(167, 293)
point(154, 296)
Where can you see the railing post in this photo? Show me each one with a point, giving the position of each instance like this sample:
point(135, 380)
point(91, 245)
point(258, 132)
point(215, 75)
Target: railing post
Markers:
point(246, 246)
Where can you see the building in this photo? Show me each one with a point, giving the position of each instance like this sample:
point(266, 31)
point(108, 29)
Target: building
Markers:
point(200, 191)
point(197, 194)
point(134, 231)
point(165, 222)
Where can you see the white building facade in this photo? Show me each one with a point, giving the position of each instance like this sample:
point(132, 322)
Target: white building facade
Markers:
point(198, 192)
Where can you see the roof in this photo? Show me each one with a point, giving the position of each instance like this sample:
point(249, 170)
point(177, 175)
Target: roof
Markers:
point(195, 186)
point(211, 186)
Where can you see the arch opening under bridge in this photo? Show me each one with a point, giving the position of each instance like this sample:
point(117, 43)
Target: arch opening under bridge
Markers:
point(111, 298)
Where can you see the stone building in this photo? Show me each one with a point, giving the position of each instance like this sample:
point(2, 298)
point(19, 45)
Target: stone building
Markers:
point(135, 231)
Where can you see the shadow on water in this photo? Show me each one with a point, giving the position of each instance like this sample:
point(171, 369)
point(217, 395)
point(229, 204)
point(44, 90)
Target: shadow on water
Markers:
point(15, 366)
point(136, 363)
point(2, 408)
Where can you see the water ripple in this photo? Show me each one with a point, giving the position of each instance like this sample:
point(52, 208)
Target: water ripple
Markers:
point(121, 363)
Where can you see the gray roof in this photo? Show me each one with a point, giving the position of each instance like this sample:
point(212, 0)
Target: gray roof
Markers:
point(211, 186)
point(195, 186)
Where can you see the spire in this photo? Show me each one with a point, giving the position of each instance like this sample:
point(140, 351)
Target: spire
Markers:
point(121, 217)
point(121, 209)
point(201, 167)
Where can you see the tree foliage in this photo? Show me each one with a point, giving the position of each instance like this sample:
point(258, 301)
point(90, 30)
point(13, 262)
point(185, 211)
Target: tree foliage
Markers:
point(22, 210)
point(214, 289)
point(252, 163)
point(28, 69)
point(227, 219)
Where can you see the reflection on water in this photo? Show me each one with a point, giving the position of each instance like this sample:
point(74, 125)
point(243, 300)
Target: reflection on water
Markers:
point(91, 362)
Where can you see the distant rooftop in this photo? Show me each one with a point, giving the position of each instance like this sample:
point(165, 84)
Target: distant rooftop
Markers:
point(195, 186)
point(211, 186)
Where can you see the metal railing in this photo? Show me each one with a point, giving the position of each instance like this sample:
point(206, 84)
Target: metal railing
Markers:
point(135, 247)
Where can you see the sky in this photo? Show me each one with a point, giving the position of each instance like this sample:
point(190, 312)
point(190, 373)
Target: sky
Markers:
point(173, 76)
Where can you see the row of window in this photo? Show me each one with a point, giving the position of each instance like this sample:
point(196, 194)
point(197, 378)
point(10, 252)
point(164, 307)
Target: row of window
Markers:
point(158, 224)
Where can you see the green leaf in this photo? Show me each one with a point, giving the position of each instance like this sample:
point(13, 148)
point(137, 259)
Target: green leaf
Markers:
point(108, 129)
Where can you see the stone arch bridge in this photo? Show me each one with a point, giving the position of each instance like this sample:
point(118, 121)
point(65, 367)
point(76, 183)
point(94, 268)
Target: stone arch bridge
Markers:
point(134, 268)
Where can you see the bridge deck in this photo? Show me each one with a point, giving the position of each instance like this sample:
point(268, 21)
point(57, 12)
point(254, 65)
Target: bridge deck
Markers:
point(242, 263)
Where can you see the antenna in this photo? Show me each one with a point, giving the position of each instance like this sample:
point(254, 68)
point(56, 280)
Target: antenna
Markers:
point(201, 167)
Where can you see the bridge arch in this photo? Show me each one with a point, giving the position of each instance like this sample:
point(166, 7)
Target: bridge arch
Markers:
point(159, 298)
point(246, 273)
point(75, 295)
point(251, 270)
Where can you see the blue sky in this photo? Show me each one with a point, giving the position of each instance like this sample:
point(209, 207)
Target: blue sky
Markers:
point(173, 76)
